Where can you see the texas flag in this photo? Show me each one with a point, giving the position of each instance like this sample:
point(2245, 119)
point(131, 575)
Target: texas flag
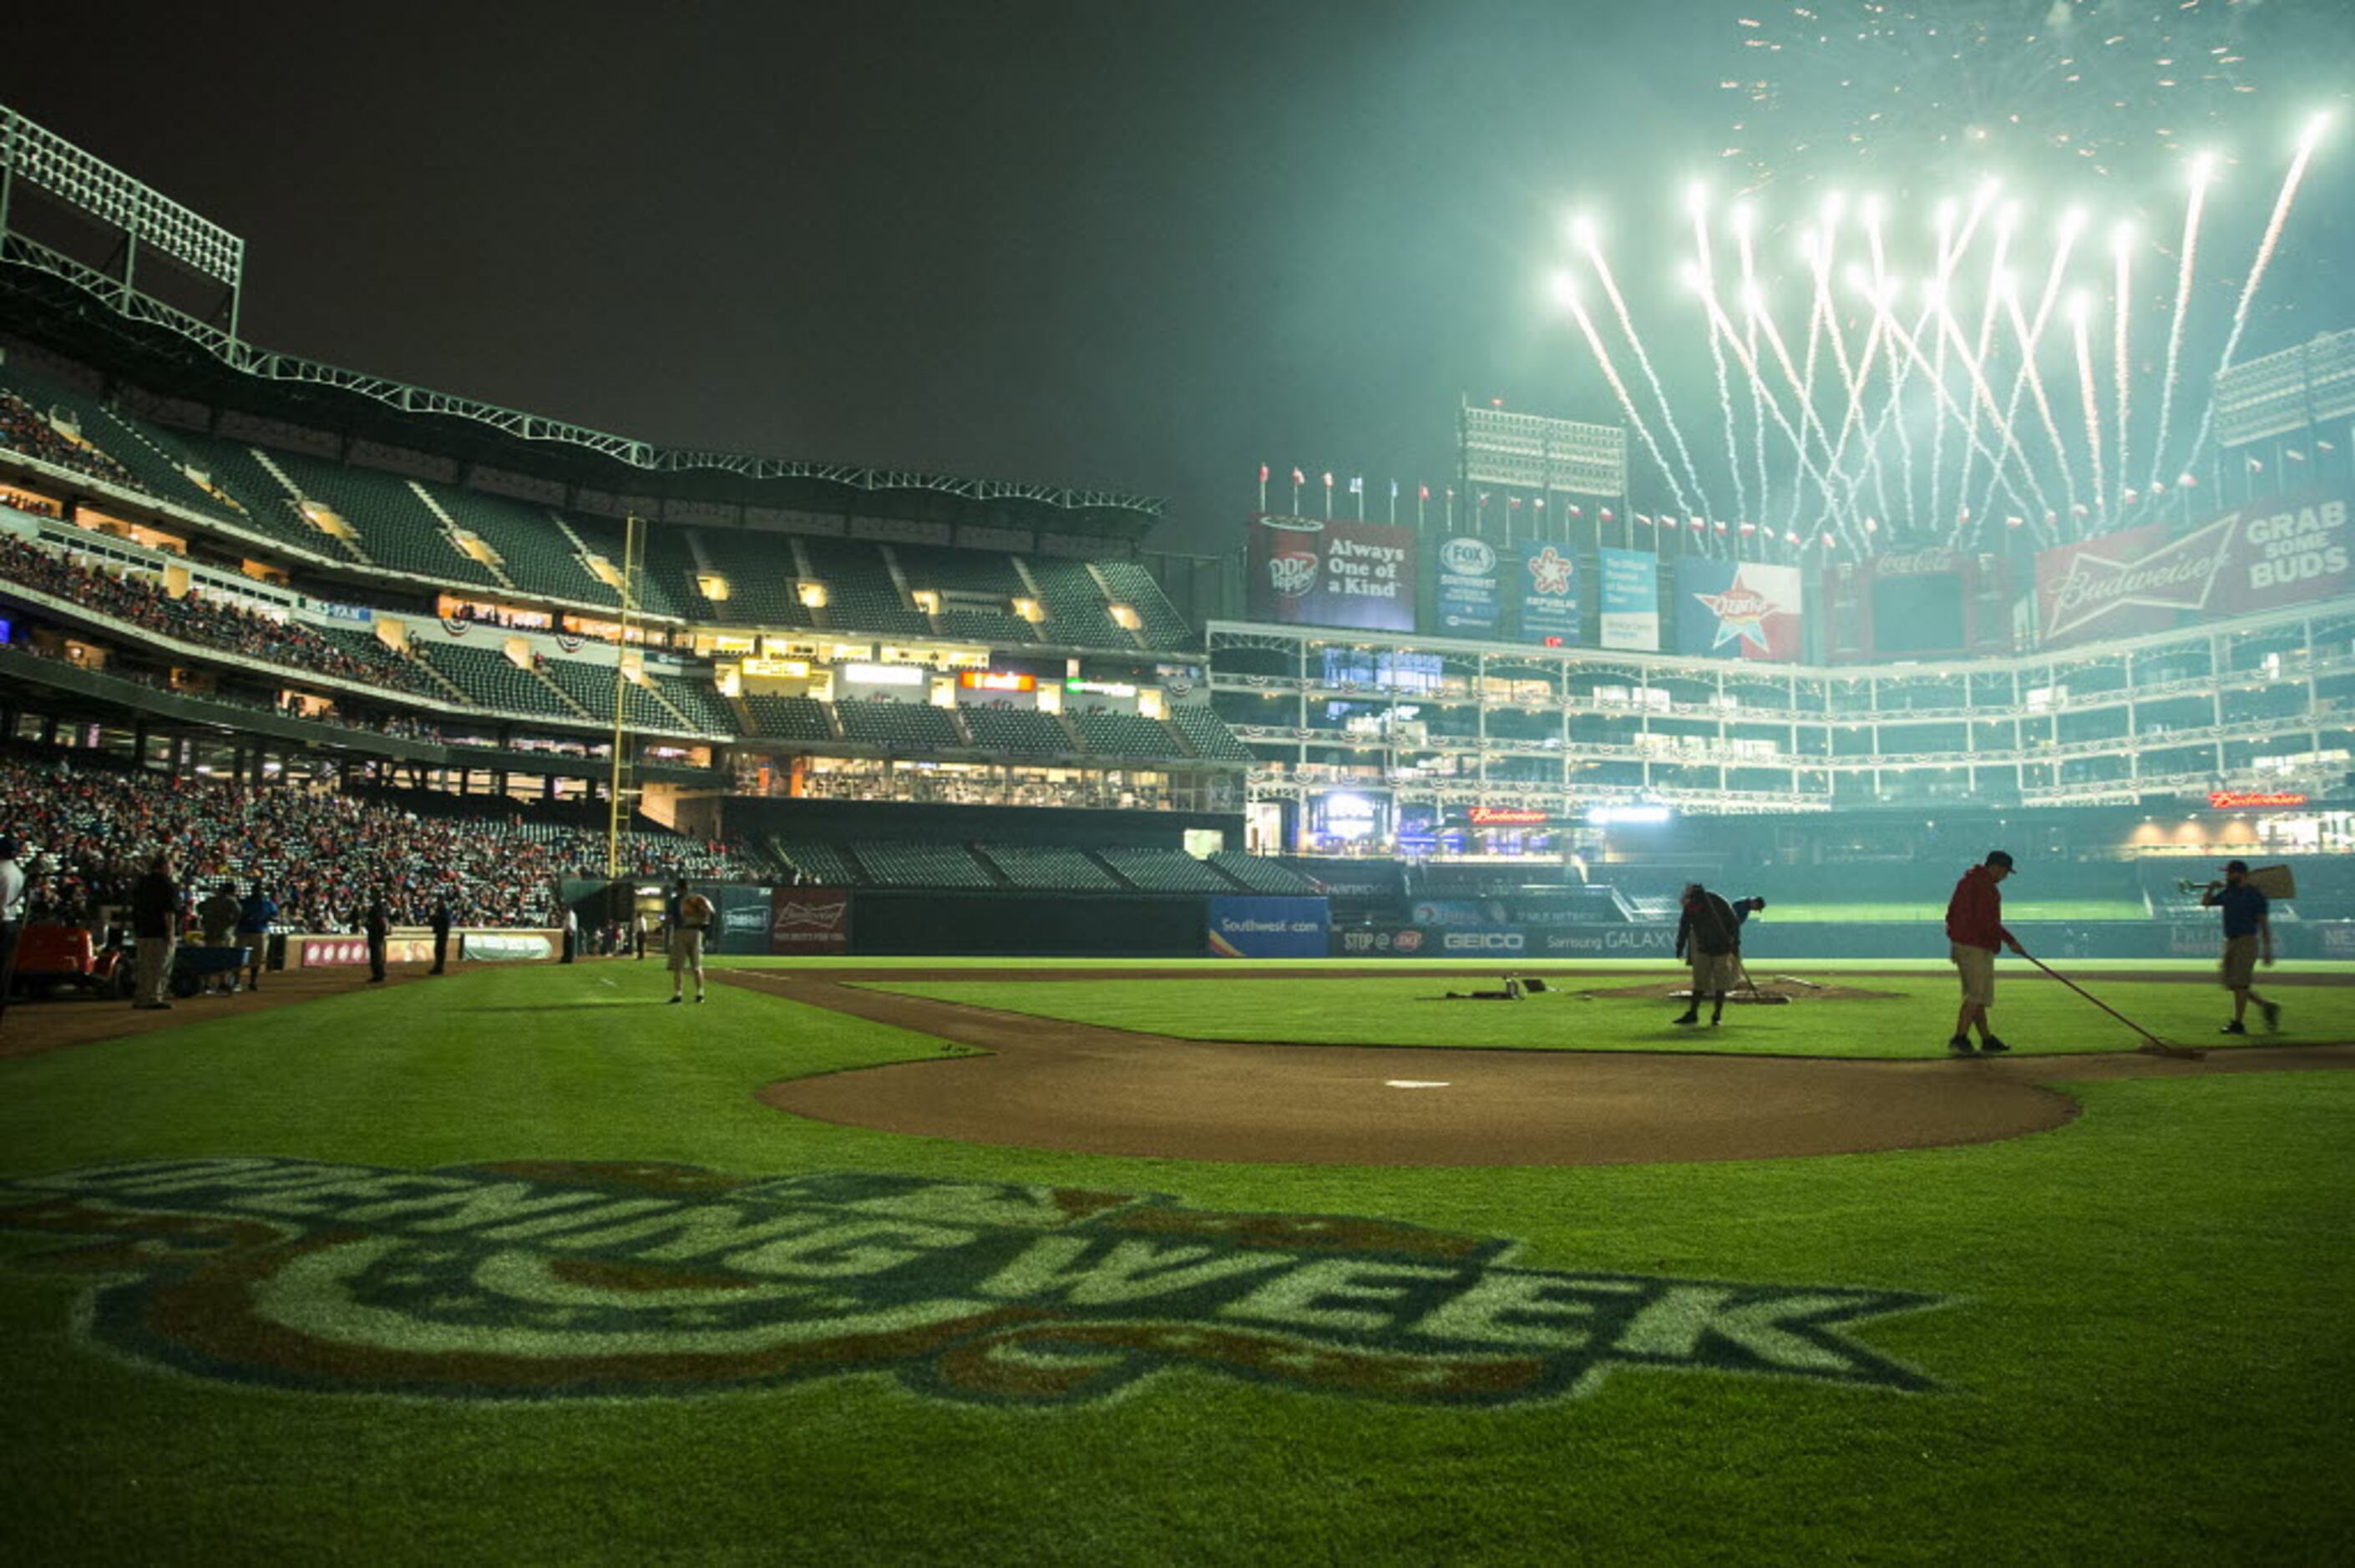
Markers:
point(1737, 610)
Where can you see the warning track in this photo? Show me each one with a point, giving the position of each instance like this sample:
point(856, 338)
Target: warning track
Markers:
point(1053, 1084)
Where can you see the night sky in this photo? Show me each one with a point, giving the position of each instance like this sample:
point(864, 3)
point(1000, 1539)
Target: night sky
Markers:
point(1141, 246)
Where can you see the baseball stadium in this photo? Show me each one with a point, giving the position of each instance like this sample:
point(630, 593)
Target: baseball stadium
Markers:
point(732, 1007)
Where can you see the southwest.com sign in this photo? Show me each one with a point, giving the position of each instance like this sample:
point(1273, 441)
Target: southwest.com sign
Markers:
point(1269, 928)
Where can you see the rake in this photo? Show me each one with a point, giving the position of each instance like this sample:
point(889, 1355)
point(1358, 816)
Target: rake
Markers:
point(2151, 1044)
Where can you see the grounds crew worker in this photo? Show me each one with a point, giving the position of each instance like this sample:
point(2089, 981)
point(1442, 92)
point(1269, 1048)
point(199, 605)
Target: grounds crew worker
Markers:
point(690, 917)
point(2246, 927)
point(1709, 937)
point(1974, 934)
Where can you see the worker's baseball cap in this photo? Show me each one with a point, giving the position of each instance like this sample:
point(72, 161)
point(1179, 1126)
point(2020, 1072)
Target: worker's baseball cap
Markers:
point(8, 847)
point(2239, 865)
point(1999, 857)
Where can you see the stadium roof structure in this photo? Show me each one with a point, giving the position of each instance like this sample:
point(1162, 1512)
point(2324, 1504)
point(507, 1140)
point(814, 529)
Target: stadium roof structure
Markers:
point(105, 315)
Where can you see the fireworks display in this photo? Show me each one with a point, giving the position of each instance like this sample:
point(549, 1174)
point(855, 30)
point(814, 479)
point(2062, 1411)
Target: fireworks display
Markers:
point(1848, 88)
point(1946, 360)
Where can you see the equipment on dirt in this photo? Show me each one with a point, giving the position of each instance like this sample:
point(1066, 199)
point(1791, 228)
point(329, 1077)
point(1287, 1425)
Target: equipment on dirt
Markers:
point(1756, 997)
point(2151, 1044)
point(1794, 979)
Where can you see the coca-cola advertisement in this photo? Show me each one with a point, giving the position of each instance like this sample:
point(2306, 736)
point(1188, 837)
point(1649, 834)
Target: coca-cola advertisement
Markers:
point(1911, 602)
point(1332, 571)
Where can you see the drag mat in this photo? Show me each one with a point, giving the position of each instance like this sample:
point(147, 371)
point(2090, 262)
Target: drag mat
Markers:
point(1051, 1083)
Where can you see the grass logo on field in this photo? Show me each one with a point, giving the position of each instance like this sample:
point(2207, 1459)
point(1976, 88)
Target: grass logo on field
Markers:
point(555, 1280)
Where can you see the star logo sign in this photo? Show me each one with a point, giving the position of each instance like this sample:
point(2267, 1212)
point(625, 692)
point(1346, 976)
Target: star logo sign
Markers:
point(1549, 572)
point(1741, 611)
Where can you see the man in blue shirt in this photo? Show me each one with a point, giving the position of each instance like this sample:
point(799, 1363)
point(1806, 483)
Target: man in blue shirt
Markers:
point(254, 918)
point(2246, 930)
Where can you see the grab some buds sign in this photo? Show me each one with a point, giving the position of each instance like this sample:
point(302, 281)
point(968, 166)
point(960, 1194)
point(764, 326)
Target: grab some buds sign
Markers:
point(2280, 551)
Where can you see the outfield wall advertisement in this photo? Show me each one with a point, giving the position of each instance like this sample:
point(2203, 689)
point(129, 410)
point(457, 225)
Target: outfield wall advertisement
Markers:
point(1269, 928)
point(1737, 610)
point(1631, 600)
point(1469, 604)
point(1313, 571)
point(1549, 588)
point(809, 921)
point(2273, 553)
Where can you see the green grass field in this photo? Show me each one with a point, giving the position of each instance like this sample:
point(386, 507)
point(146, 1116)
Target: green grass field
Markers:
point(1911, 1018)
point(2126, 1342)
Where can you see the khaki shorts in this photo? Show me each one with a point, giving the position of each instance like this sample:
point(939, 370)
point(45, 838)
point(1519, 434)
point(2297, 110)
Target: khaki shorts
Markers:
point(1977, 966)
point(1712, 973)
point(2240, 966)
point(686, 950)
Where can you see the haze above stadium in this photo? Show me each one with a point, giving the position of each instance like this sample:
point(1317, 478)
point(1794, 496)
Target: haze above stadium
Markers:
point(1144, 247)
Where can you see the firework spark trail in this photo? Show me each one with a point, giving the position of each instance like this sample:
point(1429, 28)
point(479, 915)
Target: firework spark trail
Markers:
point(2306, 145)
point(1753, 307)
point(1899, 371)
point(2044, 411)
point(1983, 398)
point(1643, 360)
point(1627, 402)
point(1998, 285)
point(2093, 399)
point(1708, 285)
point(1807, 415)
point(1818, 256)
point(2121, 354)
point(1914, 353)
point(2034, 335)
point(2185, 262)
point(1719, 324)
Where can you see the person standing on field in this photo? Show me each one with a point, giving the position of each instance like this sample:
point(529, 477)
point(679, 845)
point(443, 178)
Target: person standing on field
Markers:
point(690, 917)
point(2247, 930)
point(155, 930)
point(1974, 934)
point(1709, 937)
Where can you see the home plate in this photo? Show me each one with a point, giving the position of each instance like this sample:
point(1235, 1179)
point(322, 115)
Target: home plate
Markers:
point(1411, 1084)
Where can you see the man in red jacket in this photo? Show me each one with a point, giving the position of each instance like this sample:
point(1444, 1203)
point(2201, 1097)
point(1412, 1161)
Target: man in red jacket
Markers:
point(1975, 930)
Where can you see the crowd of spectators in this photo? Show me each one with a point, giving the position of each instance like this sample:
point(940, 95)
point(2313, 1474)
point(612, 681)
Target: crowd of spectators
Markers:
point(216, 623)
point(26, 428)
point(88, 830)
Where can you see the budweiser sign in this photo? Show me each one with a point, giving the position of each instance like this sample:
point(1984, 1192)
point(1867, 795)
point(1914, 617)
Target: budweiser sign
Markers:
point(2108, 575)
point(2244, 799)
point(1509, 817)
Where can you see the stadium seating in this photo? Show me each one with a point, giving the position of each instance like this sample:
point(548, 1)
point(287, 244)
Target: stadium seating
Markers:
point(788, 718)
point(818, 861)
point(236, 472)
point(370, 653)
point(396, 528)
point(489, 677)
point(860, 594)
point(695, 702)
point(760, 569)
point(1133, 585)
point(1078, 615)
point(86, 826)
point(535, 556)
point(1050, 866)
point(894, 864)
point(960, 571)
point(591, 686)
point(1208, 734)
point(667, 578)
point(1166, 870)
point(902, 726)
point(1261, 874)
point(1024, 730)
point(1126, 735)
